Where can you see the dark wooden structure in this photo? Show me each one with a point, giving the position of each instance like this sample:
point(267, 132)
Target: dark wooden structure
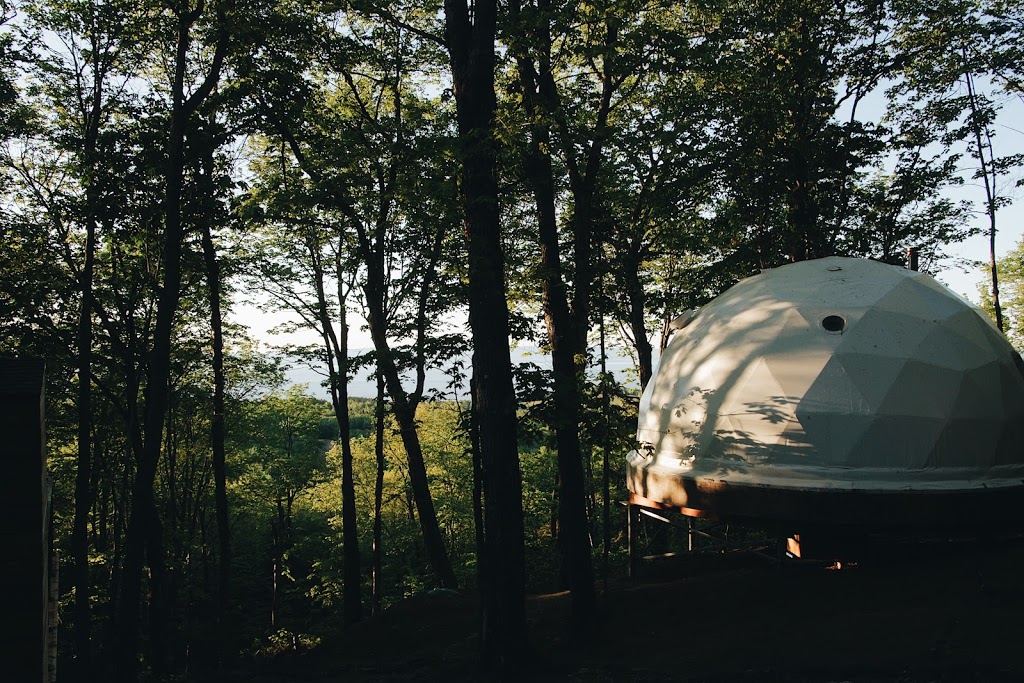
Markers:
point(24, 524)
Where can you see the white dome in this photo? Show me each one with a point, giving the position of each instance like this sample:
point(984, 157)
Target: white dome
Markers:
point(833, 374)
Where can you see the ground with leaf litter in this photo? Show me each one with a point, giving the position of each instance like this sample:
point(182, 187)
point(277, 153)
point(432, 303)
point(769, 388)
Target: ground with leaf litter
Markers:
point(937, 611)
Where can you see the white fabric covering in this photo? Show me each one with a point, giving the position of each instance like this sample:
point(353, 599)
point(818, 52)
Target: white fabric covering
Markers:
point(917, 390)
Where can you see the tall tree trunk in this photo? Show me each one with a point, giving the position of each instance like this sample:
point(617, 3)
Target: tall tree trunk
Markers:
point(987, 171)
point(220, 494)
point(566, 331)
point(80, 536)
point(144, 522)
point(406, 417)
point(479, 525)
point(275, 535)
point(470, 42)
point(636, 301)
point(144, 529)
point(353, 604)
point(404, 404)
point(605, 452)
point(574, 537)
point(91, 119)
point(378, 495)
point(336, 350)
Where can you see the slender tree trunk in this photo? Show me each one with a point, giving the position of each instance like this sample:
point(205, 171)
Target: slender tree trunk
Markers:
point(636, 301)
point(564, 339)
point(80, 537)
point(605, 451)
point(275, 534)
point(988, 177)
point(144, 522)
point(217, 436)
point(404, 404)
point(406, 417)
point(479, 524)
point(144, 529)
point(161, 606)
point(470, 42)
point(352, 603)
point(378, 495)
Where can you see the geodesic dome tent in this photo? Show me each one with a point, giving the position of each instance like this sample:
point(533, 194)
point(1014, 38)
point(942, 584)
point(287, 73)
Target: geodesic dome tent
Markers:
point(837, 390)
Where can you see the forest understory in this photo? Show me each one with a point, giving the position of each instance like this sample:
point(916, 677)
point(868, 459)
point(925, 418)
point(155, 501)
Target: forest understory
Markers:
point(923, 612)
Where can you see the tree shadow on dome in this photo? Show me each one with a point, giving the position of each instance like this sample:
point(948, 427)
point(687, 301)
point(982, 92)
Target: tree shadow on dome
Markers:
point(788, 446)
point(670, 382)
point(775, 409)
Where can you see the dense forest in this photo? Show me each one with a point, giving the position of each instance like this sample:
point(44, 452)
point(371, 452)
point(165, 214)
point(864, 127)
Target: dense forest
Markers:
point(452, 179)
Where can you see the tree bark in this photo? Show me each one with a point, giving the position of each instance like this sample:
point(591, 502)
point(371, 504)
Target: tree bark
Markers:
point(636, 302)
point(352, 603)
point(378, 495)
point(406, 417)
point(217, 435)
point(144, 532)
point(988, 174)
point(566, 328)
point(79, 535)
point(470, 43)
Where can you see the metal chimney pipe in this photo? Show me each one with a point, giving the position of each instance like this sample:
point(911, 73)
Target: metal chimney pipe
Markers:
point(912, 259)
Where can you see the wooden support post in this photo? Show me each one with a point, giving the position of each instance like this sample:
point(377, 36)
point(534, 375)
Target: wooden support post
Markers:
point(633, 539)
point(793, 546)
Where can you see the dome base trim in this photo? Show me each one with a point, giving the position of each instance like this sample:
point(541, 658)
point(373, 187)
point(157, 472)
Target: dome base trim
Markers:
point(934, 509)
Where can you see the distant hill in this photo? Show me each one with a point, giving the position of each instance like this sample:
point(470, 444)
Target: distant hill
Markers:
point(363, 386)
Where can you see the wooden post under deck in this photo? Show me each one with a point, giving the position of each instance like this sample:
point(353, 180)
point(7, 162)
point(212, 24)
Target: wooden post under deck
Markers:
point(633, 539)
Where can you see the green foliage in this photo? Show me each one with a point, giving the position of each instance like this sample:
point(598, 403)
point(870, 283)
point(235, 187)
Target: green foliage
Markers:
point(734, 140)
point(284, 452)
point(1011, 294)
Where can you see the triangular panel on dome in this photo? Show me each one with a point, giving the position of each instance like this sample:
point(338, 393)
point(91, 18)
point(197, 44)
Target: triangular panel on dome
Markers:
point(942, 348)
point(833, 390)
point(884, 333)
point(752, 379)
point(1011, 385)
point(942, 290)
point(858, 290)
point(976, 398)
point(795, 372)
point(833, 434)
point(967, 442)
point(972, 331)
point(753, 436)
point(914, 297)
point(996, 340)
point(922, 389)
point(1010, 448)
point(871, 375)
point(705, 369)
point(792, 449)
point(897, 441)
point(907, 298)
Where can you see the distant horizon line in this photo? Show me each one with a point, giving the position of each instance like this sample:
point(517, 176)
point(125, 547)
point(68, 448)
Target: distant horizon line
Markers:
point(619, 365)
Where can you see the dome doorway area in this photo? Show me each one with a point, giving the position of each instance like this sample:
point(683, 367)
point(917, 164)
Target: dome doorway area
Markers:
point(832, 398)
